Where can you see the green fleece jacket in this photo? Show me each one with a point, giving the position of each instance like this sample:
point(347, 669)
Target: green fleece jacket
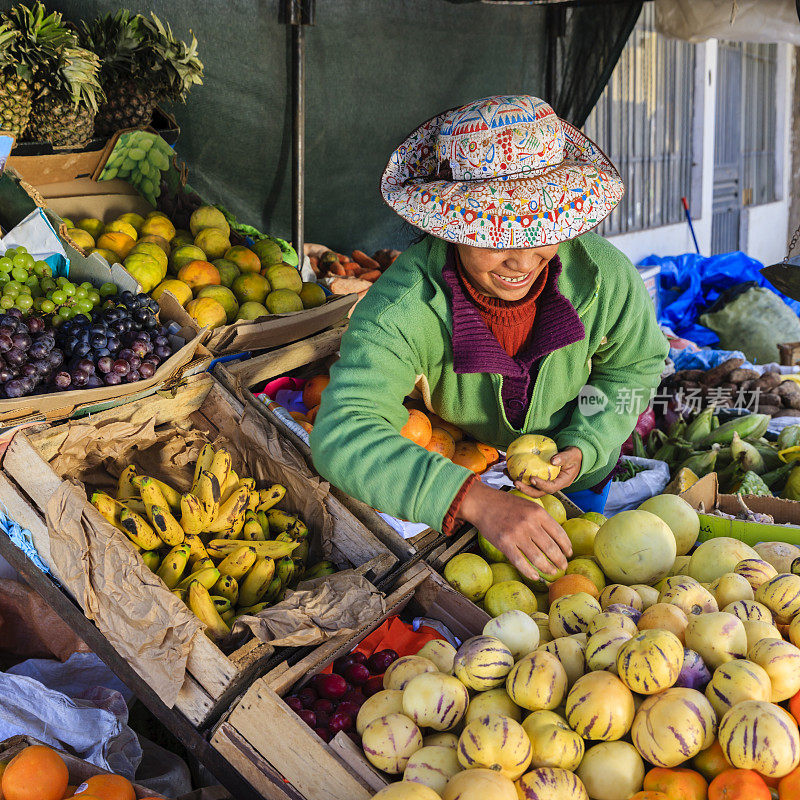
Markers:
point(400, 337)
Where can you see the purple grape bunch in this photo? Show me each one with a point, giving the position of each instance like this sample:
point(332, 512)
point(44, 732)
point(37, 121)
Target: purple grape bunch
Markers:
point(29, 357)
point(121, 343)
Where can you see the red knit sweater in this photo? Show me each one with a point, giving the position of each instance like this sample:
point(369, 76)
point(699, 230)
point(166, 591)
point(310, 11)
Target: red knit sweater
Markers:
point(511, 323)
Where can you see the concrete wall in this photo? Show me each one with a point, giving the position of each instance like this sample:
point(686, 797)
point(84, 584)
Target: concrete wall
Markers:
point(764, 228)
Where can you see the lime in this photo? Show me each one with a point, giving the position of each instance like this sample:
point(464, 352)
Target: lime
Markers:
point(48, 306)
point(108, 289)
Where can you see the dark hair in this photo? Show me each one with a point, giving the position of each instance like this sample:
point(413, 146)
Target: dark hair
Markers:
point(410, 235)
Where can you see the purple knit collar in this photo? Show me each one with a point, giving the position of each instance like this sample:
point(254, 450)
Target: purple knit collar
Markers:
point(475, 348)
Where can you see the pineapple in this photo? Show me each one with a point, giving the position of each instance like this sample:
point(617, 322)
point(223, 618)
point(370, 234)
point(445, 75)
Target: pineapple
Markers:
point(63, 112)
point(30, 40)
point(142, 64)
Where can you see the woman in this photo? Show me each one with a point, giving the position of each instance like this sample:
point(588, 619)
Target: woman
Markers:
point(508, 317)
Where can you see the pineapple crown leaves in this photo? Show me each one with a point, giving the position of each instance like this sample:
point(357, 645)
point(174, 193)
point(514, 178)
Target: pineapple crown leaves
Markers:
point(178, 62)
point(119, 41)
point(35, 41)
point(76, 78)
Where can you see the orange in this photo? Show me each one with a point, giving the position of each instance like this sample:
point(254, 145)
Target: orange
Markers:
point(250, 287)
point(37, 773)
point(206, 312)
point(107, 787)
point(418, 428)
point(116, 242)
point(489, 453)
point(244, 258)
point(178, 288)
point(650, 795)
point(789, 785)
point(298, 416)
point(312, 414)
point(199, 274)
point(794, 707)
point(467, 455)
point(158, 240)
point(312, 390)
point(677, 784)
point(441, 442)
point(711, 761)
point(306, 426)
point(159, 225)
point(122, 227)
point(454, 431)
point(572, 584)
point(738, 784)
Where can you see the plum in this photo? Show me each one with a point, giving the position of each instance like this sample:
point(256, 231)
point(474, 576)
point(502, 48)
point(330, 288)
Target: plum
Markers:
point(373, 685)
point(308, 716)
point(322, 705)
point(379, 662)
point(357, 674)
point(323, 734)
point(307, 696)
point(346, 707)
point(294, 702)
point(330, 686)
point(355, 695)
point(340, 722)
point(342, 663)
point(358, 657)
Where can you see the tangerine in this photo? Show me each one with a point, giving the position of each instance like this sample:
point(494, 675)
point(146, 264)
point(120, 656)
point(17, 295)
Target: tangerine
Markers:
point(453, 430)
point(312, 414)
point(571, 584)
point(418, 428)
point(467, 455)
point(313, 388)
point(199, 274)
point(489, 453)
point(441, 442)
point(36, 773)
point(106, 787)
point(738, 784)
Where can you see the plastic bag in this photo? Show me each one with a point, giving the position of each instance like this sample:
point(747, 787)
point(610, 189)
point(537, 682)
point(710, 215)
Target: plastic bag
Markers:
point(690, 283)
point(624, 495)
point(755, 323)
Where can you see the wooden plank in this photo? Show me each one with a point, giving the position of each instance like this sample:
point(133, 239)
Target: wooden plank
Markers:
point(276, 732)
point(194, 703)
point(453, 548)
point(353, 756)
point(24, 464)
point(251, 765)
point(210, 667)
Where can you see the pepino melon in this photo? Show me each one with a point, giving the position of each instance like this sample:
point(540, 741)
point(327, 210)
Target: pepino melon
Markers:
point(650, 662)
point(479, 784)
point(717, 637)
point(749, 610)
point(537, 681)
point(755, 571)
point(572, 614)
point(760, 736)
point(635, 547)
point(390, 741)
point(482, 663)
point(603, 647)
point(611, 620)
point(551, 784)
point(781, 661)
point(681, 518)
point(403, 790)
point(716, 557)
point(616, 593)
point(600, 707)
point(436, 701)
point(516, 630)
point(673, 726)
point(497, 743)
point(781, 595)
point(553, 742)
point(381, 704)
point(404, 669)
point(441, 653)
point(735, 682)
point(611, 771)
point(495, 701)
point(570, 651)
point(432, 766)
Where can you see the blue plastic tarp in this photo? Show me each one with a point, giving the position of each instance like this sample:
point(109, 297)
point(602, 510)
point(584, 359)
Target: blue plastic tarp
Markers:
point(690, 283)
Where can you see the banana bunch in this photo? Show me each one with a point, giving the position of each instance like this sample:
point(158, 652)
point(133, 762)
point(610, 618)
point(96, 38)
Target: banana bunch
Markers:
point(223, 547)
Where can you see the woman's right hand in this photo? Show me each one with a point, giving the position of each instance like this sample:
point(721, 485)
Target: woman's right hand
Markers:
point(521, 529)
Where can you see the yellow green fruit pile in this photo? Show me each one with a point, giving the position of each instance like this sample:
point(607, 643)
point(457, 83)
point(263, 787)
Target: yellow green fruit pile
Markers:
point(224, 547)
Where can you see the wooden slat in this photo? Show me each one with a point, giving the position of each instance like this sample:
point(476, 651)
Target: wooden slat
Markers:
point(24, 464)
point(276, 732)
point(210, 666)
point(353, 756)
point(194, 703)
point(239, 753)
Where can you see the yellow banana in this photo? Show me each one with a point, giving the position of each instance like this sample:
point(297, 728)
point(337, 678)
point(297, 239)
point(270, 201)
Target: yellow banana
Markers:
point(206, 577)
point(264, 522)
point(257, 581)
point(136, 505)
point(180, 594)
point(228, 587)
point(250, 611)
point(204, 460)
point(174, 565)
point(197, 547)
point(286, 570)
point(151, 559)
point(221, 466)
point(139, 532)
point(126, 489)
point(172, 496)
point(279, 521)
point(220, 548)
point(301, 554)
point(166, 526)
point(274, 591)
point(229, 616)
point(203, 607)
point(192, 515)
point(270, 496)
point(107, 506)
point(252, 500)
point(249, 483)
point(235, 505)
point(202, 563)
point(230, 485)
point(222, 604)
point(237, 563)
point(298, 530)
point(234, 531)
point(208, 494)
point(150, 493)
point(252, 531)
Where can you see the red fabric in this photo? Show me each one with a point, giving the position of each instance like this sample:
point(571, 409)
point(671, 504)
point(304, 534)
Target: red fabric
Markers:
point(394, 634)
point(451, 518)
point(510, 322)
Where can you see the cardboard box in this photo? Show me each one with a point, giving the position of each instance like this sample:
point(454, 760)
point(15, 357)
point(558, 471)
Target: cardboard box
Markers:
point(79, 770)
point(40, 163)
point(786, 513)
point(285, 746)
point(28, 483)
point(188, 357)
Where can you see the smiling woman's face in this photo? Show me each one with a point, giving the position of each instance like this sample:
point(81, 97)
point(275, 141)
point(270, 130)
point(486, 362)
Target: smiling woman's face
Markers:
point(506, 274)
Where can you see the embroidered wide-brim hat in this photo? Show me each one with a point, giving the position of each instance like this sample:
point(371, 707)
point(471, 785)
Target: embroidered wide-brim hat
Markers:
point(502, 172)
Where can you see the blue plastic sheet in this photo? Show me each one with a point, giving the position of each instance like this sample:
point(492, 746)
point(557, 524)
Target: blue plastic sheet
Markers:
point(690, 283)
point(23, 539)
point(703, 359)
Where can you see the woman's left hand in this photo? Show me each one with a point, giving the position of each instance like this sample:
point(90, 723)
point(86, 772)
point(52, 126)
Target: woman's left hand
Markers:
point(569, 460)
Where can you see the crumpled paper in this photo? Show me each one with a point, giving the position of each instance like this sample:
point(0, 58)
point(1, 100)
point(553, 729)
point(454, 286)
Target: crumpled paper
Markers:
point(146, 624)
point(316, 611)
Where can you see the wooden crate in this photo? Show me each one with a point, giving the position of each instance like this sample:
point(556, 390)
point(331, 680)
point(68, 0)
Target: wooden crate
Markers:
point(262, 736)
point(304, 359)
point(27, 482)
point(79, 770)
